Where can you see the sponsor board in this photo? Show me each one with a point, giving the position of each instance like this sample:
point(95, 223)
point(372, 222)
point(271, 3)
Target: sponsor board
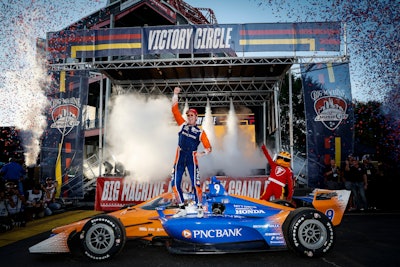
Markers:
point(112, 193)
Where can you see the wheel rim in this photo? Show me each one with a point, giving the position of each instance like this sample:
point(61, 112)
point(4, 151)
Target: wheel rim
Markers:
point(100, 238)
point(312, 234)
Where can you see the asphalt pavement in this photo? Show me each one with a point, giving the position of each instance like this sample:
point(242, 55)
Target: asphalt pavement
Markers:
point(362, 239)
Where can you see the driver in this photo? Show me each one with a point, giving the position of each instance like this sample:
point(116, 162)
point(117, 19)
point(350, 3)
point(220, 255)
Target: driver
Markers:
point(190, 136)
point(281, 175)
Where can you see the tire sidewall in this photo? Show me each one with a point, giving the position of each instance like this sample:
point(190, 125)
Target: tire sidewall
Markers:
point(111, 226)
point(300, 219)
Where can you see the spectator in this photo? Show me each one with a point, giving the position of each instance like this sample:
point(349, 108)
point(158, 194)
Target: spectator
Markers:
point(360, 184)
point(50, 189)
point(348, 181)
point(371, 172)
point(332, 176)
point(34, 203)
point(15, 204)
point(5, 220)
point(14, 172)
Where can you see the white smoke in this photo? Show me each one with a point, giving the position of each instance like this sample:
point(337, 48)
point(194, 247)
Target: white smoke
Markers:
point(143, 136)
point(234, 154)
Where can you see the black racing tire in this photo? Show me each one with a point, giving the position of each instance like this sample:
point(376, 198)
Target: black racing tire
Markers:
point(102, 237)
point(308, 232)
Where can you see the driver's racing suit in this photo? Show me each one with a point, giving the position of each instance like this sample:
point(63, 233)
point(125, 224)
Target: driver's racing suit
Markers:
point(186, 155)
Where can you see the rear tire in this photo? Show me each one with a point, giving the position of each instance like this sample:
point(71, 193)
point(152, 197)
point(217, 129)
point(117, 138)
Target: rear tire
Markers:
point(103, 237)
point(308, 232)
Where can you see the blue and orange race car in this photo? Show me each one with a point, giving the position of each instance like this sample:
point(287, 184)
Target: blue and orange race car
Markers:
point(231, 223)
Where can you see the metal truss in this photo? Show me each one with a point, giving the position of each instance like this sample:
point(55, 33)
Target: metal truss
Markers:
point(218, 93)
point(249, 90)
point(168, 63)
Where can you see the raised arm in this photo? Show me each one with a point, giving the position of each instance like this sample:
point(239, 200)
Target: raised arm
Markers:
point(265, 151)
point(175, 107)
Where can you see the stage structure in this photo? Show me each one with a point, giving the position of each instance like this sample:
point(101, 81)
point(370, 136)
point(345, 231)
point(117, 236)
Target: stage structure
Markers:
point(218, 63)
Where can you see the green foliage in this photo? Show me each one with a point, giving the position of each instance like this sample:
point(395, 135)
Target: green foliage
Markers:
point(299, 122)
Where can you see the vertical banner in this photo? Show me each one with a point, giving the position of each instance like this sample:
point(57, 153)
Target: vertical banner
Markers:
point(329, 116)
point(63, 141)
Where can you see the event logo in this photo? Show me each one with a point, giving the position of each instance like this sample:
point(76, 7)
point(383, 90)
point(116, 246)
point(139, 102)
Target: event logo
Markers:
point(330, 110)
point(65, 118)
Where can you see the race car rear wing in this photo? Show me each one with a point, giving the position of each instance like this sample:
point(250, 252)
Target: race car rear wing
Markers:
point(331, 202)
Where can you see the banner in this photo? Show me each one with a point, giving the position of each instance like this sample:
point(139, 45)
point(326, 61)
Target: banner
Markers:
point(63, 141)
point(193, 39)
point(329, 116)
point(113, 193)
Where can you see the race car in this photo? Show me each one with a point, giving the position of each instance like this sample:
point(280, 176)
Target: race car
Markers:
point(103, 236)
point(243, 224)
point(231, 223)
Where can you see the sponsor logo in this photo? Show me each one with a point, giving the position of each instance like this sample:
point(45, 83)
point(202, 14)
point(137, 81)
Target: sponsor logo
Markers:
point(272, 225)
point(212, 233)
point(277, 242)
point(330, 110)
point(249, 211)
point(279, 171)
point(271, 234)
point(65, 117)
point(187, 234)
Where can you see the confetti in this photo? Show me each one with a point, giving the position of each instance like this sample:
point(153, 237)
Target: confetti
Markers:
point(23, 75)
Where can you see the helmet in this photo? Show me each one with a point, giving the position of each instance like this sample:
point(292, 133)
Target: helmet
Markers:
point(284, 159)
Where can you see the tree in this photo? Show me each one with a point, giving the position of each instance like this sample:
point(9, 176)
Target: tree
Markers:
point(376, 132)
point(299, 122)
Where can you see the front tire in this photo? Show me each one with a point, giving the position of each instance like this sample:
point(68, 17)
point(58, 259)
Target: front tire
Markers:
point(308, 232)
point(103, 237)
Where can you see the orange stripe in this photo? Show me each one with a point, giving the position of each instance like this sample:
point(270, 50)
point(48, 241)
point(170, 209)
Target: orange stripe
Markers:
point(327, 143)
point(67, 162)
point(327, 159)
point(68, 148)
point(71, 86)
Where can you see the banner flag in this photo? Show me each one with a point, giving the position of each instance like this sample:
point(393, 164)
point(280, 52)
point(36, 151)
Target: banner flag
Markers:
point(113, 193)
point(193, 39)
point(63, 141)
point(329, 116)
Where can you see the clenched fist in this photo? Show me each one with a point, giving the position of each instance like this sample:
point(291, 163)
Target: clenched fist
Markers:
point(177, 90)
